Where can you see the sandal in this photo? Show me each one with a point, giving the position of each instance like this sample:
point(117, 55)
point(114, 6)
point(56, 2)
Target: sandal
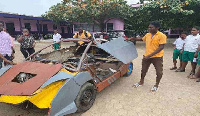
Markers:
point(180, 70)
point(191, 74)
point(193, 77)
point(137, 85)
point(154, 89)
point(173, 68)
point(198, 80)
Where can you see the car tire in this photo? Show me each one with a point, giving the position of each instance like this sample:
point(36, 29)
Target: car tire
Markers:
point(130, 70)
point(86, 97)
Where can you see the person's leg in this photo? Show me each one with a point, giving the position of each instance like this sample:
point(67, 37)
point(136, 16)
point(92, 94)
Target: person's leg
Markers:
point(56, 46)
point(185, 59)
point(197, 75)
point(175, 56)
point(181, 60)
point(184, 64)
point(174, 62)
point(194, 65)
point(158, 64)
point(30, 51)
point(145, 67)
point(24, 52)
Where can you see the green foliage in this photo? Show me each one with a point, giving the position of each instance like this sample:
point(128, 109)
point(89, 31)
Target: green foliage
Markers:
point(90, 11)
point(171, 13)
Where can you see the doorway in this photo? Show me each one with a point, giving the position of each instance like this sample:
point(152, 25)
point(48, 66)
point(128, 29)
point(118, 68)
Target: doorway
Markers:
point(10, 28)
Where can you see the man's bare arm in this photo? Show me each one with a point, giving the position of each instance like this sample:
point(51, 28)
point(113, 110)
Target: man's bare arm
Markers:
point(5, 60)
point(135, 39)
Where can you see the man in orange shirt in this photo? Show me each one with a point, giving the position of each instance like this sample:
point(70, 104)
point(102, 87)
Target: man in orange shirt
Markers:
point(155, 41)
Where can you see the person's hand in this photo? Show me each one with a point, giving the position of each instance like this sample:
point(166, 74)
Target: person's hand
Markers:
point(130, 39)
point(181, 51)
point(146, 57)
point(196, 55)
point(9, 62)
point(12, 56)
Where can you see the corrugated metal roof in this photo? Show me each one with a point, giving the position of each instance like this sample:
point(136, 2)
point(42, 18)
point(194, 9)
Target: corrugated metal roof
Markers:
point(11, 15)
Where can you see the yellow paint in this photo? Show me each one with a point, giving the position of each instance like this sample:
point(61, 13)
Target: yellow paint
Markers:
point(13, 99)
point(64, 70)
point(42, 99)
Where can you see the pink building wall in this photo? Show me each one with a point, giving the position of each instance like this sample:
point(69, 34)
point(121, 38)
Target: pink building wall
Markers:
point(118, 24)
point(33, 23)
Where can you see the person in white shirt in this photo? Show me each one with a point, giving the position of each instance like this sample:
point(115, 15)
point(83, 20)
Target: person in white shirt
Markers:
point(189, 49)
point(56, 40)
point(178, 46)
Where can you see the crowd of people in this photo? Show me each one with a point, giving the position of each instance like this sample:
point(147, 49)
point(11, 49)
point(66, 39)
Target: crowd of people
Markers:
point(187, 49)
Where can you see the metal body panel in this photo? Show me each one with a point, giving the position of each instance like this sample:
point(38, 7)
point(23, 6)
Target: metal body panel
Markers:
point(120, 49)
point(57, 77)
point(106, 82)
point(4, 69)
point(71, 108)
point(82, 77)
point(43, 73)
point(124, 69)
point(62, 104)
point(65, 96)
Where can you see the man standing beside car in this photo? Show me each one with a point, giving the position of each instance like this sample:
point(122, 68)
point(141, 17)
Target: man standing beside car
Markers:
point(5, 47)
point(155, 41)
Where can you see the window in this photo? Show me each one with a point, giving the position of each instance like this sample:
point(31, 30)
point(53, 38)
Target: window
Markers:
point(2, 22)
point(54, 26)
point(45, 29)
point(76, 27)
point(28, 26)
point(109, 26)
point(97, 28)
point(10, 28)
point(63, 29)
point(90, 27)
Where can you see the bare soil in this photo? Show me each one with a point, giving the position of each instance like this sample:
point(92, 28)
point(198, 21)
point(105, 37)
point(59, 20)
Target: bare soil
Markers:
point(177, 95)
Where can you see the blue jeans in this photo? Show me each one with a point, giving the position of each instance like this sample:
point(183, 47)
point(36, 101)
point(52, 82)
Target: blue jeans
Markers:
point(1, 60)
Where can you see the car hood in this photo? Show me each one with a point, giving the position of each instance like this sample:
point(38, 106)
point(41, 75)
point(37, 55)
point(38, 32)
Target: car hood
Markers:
point(120, 49)
point(42, 73)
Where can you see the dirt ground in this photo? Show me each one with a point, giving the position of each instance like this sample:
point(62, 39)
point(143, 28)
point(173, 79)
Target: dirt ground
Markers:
point(177, 95)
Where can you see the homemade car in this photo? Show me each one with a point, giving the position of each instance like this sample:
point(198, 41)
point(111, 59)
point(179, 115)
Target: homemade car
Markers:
point(67, 80)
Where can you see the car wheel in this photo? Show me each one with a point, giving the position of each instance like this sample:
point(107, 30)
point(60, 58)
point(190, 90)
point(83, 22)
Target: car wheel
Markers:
point(86, 97)
point(130, 70)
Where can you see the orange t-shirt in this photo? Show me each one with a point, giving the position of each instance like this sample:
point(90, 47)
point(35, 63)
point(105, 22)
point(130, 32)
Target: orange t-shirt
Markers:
point(153, 43)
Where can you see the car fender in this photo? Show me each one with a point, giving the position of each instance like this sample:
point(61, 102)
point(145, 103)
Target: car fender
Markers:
point(63, 103)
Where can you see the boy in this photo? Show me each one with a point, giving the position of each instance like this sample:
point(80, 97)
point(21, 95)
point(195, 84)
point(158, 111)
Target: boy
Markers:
point(189, 49)
point(56, 40)
point(178, 45)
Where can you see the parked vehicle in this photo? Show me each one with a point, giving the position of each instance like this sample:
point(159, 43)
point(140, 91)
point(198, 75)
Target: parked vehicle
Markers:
point(67, 80)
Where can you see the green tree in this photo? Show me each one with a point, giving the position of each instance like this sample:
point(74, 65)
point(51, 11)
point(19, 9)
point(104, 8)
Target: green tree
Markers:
point(171, 13)
point(98, 12)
